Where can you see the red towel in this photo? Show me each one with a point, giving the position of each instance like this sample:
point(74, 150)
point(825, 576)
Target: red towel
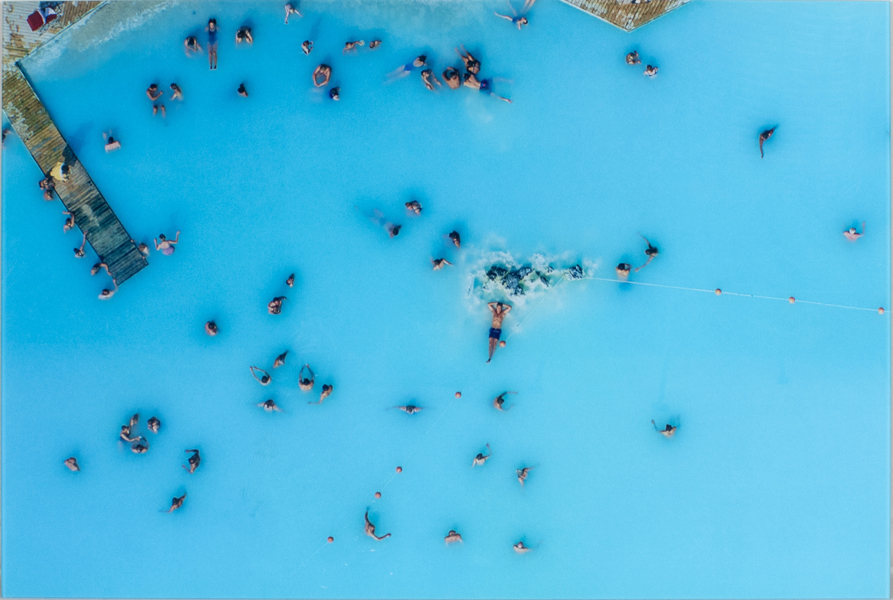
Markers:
point(35, 20)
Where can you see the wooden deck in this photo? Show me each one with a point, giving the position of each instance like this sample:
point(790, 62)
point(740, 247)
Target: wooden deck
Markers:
point(79, 194)
point(623, 13)
point(36, 129)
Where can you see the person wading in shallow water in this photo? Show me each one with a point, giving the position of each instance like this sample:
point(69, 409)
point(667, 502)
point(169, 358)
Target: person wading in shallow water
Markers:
point(499, 311)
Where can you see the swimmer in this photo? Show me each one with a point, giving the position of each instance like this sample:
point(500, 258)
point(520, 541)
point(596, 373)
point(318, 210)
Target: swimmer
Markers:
point(194, 461)
point(265, 379)
point(290, 282)
point(851, 234)
point(143, 248)
point(452, 78)
point(79, 252)
point(155, 110)
point(765, 137)
point(518, 20)
point(650, 252)
point(485, 86)
point(440, 263)
point(72, 464)
point(393, 230)
point(321, 75)
point(335, 93)
point(326, 392)
point(307, 47)
point(153, 92)
point(499, 311)
point(633, 58)
point(481, 458)
point(111, 143)
point(414, 207)
point(429, 79)
point(166, 246)
point(126, 433)
point(520, 548)
point(352, 46)
point(178, 93)
point(99, 266)
point(650, 71)
point(153, 424)
point(243, 34)
point(667, 432)
point(275, 305)
point(622, 270)
point(242, 91)
point(410, 409)
point(469, 80)
point(140, 448)
point(106, 294)
point(280, 360)
point(472, 65)
point(191, 46)
point(270, 406)
point(306, 384)
point(452, 536)
point(211, 328)
point(522, 474)
point(370, 529)
point(69, 222)
point(212, 43)
point(374, 44)
point(417, 63)
point(135, 419)
point(176, 503)
point(500, 400)
point(454, 237)
point(291, 10)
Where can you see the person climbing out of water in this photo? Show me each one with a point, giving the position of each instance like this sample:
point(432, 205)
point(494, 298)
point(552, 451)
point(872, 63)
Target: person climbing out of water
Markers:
point(499, 401)
point(79, 252)
point(352, 46)
point(517, 19)
point(522, 474)
point(650, 71)
point(370, 529)
point(851, 234)
point(472, 65)
point(499, 311)
point(280, 360)
point(99, 266)
point(264, 379)
point(211, 328)
point(440, 263)
point(275, 305)
point(429, 79)
point(242, 91)
point(106, 294)
point(212, 43)
point(417, 63)
point(178, 93)
point(191, 46)
point(176, 503)
point(335, 94)
point(153, 424)
point(166, 246)
point(765, 137)
point(270, 406)
point(374, 44)
point(307, 48)
point(321, 75)
point(520, 548)
point(291, 10)
point(454, 237)
point(452, 78)
point(69, 222)
point(452, 537)
point(481, 458)
point(306, 384)
point(194, 461)
point(243, 34)
point(650, 252)
point(667, 432)
point(622, 270)
point(410, 409)
point(413, 206)
point(633, 58)
point(111, 143)
point(72, 464)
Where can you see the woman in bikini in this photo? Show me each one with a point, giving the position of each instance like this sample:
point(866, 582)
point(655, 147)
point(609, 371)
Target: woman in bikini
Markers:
point(212, 43)
point(166, 246)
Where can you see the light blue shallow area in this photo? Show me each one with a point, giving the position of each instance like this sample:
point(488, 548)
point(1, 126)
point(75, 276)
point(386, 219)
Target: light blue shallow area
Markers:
point(777, 483)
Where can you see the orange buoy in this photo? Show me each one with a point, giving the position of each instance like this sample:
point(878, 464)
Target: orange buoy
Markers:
point(880, 311)
point(459, 394)
point(718, 292)
point(791, 300)
point(378, 494)
point(399, 469)
point(331, 539)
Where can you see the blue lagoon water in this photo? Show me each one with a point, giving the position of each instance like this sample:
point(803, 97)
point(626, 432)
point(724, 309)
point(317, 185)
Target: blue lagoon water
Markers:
point(777, 481)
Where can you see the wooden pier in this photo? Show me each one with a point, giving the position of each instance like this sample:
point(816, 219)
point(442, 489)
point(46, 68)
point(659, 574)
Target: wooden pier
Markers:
point(33, 125)
point(625, 14)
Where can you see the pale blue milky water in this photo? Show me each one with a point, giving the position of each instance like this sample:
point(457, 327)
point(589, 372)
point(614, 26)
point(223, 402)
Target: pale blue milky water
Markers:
point(777, 482)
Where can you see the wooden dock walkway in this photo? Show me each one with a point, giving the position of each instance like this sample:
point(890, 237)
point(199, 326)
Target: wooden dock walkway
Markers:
point(625, 14)
point(36, 129)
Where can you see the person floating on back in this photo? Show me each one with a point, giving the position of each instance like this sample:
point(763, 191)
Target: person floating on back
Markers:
point(166, 246)
point(291, 10)
point(765, 137)
point(517, 19)
point(851, 234)
point(264, 379)
point(176, 503)
point(499, 311)
point(668, 431)
point(212, 43)
point(650, 252)
point(370, 529)
point(194, 461)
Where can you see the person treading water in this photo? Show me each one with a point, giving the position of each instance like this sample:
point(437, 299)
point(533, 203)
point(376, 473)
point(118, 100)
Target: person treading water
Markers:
point(211, 328)
point(127, 432)
point(72, 464)
point(500, 400)
point(499, 311)
point(481, 458)
point(326, 392)
point(140, 447)
point(650, 252)
point(264, 379)
point(194, 461)
point(306, 384)
point(520, 548)
point(280, 360)
point(452, 536)
point(79, 252)
point(472, 65)
point(452, 78)
point(275, 305)
point(522, 474)
point(352, 46)
point(321, 75)
point(106, 294)
point(176, 503)
point(668, 431)
point(633, 58)
point(410, 409)
point(167, 247)
point(454, 237)
point(851, 234)
point(270, 406)
point(191, 46)
point(370, 529)
point(153, 424)
point(413, 206)
point(622, 270)
point(290, 282)
point(307, 47)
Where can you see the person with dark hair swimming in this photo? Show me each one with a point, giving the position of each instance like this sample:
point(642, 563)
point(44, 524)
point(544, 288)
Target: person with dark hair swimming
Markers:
point(274, 307)
point(194, 461)
point(417, 63)
point(307, 47)
point(410, 409)
point(191, 46)
point(127, 432)
point(69, 222)
point(140, 448)
point(851, 234)
point(72, 464)
point(370, 529)
point(176, 503)
point(633, 58)
point(481, 458)
point(520, 548)
point(667, 432)
point(306, 384)
point(413, 206)
point(522, 474)
point(651, 252)
point(765, 137)
point(264, 379)
point(98, 267)
point(153, 424)
point(243, 34)
point(517, 19)
point(280, 360)
point(452, 78)
point(472, 65)
point(106, 294)
point(650, 71)
point(499, 401)
point(452, 537)
point(79, 252)
point(212, 43)
point(352, 46)
point(211, 328)
point(499, 311)
point(166, 246)
point(335, 94)
point(242, 91)
point(623, 270)
point(429, 79)
point(454, 237)
point(270, 406)
point(440, 263)
point(321, 75)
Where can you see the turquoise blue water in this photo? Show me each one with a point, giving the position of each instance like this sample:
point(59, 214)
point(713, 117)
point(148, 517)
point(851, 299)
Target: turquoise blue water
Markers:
point(777, 482)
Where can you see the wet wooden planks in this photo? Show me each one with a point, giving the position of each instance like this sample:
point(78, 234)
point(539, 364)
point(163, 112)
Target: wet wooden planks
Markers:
point(19, 40)
point(79, 194)
point(625, 14)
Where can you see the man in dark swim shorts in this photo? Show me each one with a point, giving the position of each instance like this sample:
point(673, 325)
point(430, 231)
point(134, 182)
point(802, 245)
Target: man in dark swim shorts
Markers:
point(499, 311)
